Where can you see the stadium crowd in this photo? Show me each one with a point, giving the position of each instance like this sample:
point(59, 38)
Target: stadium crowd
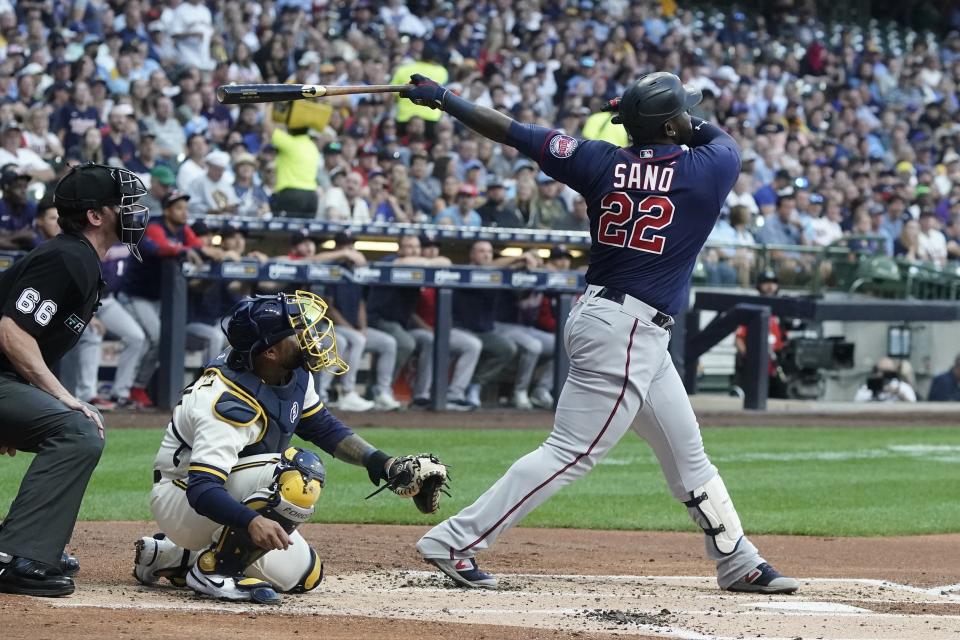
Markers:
point(845, 130)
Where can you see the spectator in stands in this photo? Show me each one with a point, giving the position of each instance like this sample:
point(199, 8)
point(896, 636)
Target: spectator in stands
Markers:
point(548, 207)
point(348, 310)
point(384, 206)
point(497, 211)
point(347, 204)
point(888, 382)
point(167, 238)
point(45, 225)
point(475, 310)
point(931, 243)
point(431, 64)
point(332, 159)
point(39, 138)
point(298, 161)
point(389, 309)
point(17, 212)
point(461, 213)
point(194, 166)
point(946, 386)
point(112, 319)
point(146, 159)
point(77, 117)
point(118, 149)
point(892, 223)
point(578, 219)
point(162, 182)
point(213, 193)
point(168, 130)
point(252, 200)
point(741, 193)
point(907, 246)
point(425, 188)
point(191, 27)
point(11, 152)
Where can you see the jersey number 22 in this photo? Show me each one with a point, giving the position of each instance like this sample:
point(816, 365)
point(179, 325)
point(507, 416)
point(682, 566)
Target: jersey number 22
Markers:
point(656, 212)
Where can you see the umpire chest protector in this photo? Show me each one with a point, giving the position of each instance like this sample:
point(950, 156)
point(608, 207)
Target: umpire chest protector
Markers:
point(250, 399)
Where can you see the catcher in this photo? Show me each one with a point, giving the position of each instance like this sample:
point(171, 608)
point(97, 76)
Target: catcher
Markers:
point(228, 489)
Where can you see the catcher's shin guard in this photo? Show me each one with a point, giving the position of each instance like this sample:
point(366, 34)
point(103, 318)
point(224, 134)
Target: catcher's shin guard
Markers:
point(312, 577)
point(289, 501)
point(710, 507)
point(158, 557)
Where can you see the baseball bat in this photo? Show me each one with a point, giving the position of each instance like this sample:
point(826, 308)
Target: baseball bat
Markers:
point(257, 93)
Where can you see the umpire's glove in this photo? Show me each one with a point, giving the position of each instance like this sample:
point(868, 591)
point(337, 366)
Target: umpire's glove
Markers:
point(425, 92)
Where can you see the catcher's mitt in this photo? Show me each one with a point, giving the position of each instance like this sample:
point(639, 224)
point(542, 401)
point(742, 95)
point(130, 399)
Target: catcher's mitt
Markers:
point(421, 477)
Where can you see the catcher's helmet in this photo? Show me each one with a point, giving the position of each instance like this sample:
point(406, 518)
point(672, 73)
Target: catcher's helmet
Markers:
point(651, 101)
point(256, 323)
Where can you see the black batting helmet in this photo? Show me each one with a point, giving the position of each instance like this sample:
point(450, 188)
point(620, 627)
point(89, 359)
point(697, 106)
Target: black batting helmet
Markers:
point(651, 101)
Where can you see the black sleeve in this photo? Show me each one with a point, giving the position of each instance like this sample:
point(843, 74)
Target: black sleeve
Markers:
point(45, 292)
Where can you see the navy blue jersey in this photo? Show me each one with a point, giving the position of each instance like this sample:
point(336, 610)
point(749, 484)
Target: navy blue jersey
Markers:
point(651, 207)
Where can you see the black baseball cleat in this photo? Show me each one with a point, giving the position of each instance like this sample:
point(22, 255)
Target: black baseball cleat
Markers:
point(69, 566)
point(27, 577)
point(765, 579)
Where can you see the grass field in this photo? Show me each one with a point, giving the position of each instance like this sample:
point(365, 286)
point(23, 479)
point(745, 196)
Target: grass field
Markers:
point(841, 482)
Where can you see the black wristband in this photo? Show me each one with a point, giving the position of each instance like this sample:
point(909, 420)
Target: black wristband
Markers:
point(375, 462)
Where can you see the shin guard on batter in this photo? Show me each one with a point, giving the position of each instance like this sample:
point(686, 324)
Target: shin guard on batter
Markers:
point(289, 501)
point(712, 509)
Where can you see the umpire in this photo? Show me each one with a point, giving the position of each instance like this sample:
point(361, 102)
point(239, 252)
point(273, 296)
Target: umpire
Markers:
point(48, 297)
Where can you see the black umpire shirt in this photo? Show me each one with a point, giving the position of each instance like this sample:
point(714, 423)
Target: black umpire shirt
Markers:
point(52, 294)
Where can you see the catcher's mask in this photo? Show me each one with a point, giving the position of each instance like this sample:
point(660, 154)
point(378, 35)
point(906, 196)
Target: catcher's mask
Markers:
point(91, 186)
point(257, 323)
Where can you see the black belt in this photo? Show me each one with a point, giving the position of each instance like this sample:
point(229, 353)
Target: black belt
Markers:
point(660, 319)
point(156, 476)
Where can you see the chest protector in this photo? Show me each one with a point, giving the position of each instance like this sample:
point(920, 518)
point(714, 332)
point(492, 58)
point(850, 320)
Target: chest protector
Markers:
point(250, 399)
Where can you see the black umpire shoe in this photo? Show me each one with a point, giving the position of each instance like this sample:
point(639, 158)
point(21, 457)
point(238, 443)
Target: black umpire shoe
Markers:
point(69, 566)
point(31, 578)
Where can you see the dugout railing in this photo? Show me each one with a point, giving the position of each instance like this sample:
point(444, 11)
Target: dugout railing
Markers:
point(173, 308)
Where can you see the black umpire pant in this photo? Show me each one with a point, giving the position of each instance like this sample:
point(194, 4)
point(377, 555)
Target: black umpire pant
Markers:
point(68, 447)
point(295, 203)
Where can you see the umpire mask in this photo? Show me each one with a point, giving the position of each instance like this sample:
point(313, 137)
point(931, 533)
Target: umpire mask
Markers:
point(91, 186)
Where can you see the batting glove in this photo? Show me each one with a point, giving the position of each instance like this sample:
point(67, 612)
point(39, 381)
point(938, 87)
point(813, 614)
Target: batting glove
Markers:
point(425, 92)
point(613, 106)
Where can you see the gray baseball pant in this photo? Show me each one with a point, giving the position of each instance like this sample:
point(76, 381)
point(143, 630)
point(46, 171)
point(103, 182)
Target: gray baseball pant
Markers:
point(464, 346)
point(533, 345)
point(121, 324)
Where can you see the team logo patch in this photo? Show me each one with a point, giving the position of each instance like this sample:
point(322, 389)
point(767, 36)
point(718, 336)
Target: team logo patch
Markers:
point(563, 146)
point(294, 411)
point(75, 324)
point(646, 154)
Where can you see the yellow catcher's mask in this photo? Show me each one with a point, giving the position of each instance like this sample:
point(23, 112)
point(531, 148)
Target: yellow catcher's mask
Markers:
point(314, 330)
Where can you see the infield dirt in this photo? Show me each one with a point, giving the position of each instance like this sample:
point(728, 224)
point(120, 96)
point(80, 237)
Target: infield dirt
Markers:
point(558, 583)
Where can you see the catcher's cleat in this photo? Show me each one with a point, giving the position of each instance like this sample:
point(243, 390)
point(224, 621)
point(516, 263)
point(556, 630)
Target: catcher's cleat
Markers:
point(465, 572)
point(235, 588)
point(159, 557)
point(764, 579)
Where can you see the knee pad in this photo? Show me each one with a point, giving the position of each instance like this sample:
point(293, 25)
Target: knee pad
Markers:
point(313, 575)
point(712, 509)
point(289, 501)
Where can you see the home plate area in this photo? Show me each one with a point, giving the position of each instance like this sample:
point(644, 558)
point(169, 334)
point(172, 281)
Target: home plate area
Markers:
point(649, 606)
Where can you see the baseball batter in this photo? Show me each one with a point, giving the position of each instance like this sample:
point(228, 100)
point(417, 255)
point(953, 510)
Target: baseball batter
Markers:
point(229, 491)
point(652, 206)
